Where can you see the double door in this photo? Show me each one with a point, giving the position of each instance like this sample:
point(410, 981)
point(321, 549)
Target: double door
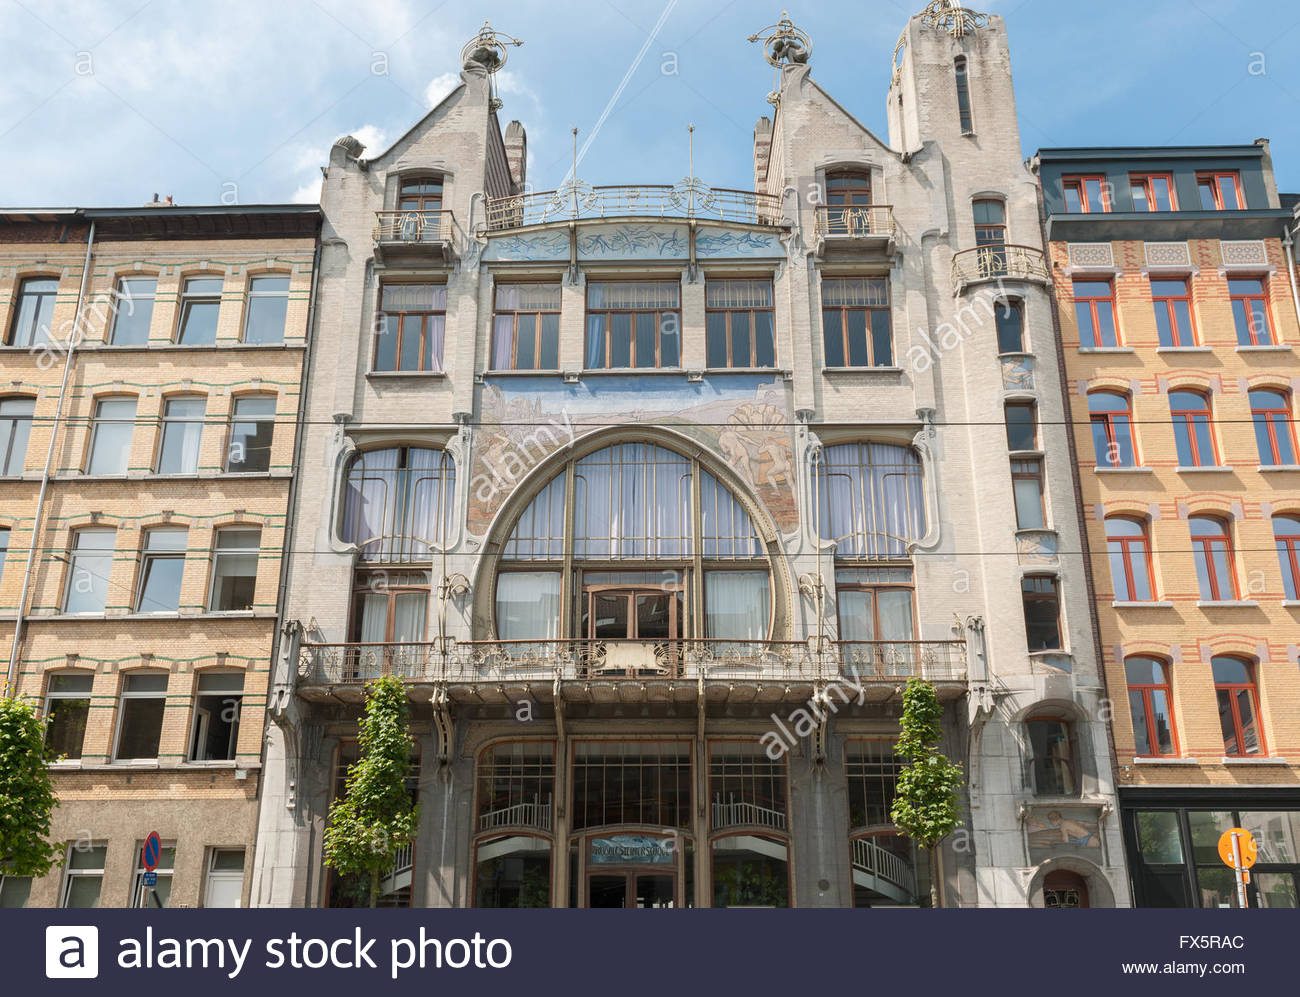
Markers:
point(632, 888)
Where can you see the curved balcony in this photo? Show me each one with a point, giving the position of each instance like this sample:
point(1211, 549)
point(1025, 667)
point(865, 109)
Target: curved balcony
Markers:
point(578, 200)
point(999, 262)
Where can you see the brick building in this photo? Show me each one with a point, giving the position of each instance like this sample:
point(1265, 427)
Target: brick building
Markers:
point(655, 496)
point(152, 362)
point(1176, 291)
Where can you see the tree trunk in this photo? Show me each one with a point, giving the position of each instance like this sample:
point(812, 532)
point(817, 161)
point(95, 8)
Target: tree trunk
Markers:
point(374, 887)
point(935, 872)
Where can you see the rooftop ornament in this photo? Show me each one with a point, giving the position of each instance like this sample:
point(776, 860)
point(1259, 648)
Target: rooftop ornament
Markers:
point(783, 45)
point(488, 50)
point(950, 16)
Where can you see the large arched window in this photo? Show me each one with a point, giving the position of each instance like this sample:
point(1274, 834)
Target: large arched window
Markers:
point(1238, 699)
point(635, 528)
point(397, 503)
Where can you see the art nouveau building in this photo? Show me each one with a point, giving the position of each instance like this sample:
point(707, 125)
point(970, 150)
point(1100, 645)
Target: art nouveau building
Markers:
point(655, 496)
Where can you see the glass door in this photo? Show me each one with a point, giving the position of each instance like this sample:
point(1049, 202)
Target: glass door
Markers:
point(647, 890)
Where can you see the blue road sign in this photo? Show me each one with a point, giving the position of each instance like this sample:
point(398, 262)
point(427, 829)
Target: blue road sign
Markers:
point(151, 879)
point(152, 849)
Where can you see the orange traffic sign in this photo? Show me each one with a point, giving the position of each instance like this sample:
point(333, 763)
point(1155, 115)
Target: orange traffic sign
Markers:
point(1245, 851)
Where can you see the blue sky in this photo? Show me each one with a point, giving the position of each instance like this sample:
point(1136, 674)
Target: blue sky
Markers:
point(106, 103)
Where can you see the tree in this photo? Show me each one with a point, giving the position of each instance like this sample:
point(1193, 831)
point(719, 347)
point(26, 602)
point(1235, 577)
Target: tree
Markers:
point(926, 801)
point(376, 816)
point(27, 798)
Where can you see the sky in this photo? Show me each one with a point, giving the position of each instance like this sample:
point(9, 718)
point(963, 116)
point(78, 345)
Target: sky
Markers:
point(107, 103)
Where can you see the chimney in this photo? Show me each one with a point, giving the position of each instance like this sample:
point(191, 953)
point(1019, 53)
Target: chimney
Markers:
point(158, 202)
point(762, 151)
point(517, 154)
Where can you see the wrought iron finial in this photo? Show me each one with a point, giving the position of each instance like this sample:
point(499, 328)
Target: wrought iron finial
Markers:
point(488, 50)
point(951, 16)
point(783, 43)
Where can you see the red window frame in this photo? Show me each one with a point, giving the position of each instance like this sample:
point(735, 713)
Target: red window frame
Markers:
point(1130, 548)
point(1212, 179)
point(1286, 535)
point(1187, 416)
point(1144, 180)
point(1234, 689)
point(1254, 306)
point(1079, 184)
point(1274, 418)
point(1204, 549)
point(1107, 419)
point(1094, 317)
point(1148, 711)
point(1169, 301)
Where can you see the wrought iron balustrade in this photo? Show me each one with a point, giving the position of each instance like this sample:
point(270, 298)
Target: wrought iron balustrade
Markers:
point(577, 200)
point(999, 262)
point(855, 221)
point(414, 226)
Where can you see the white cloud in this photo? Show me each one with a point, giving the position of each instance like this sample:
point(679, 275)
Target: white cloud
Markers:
point(308, 193)
point(374, 138)
point(439, 87)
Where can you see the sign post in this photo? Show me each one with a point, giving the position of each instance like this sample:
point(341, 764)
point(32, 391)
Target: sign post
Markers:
point(1237, 849)
point(149, 856)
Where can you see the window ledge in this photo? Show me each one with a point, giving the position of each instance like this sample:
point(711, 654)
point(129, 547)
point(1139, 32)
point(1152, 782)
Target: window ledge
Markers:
point(1164, 760)
point(1106, 349)
point(1254, 760)
point(1129, 604)
point(1264, 349)
point(167, 345)
point(1291, 603)
point(1041, 654)
point(714, 371)
point(633, 372)
point(1125, 470)
point(1184, 349)
point(1227, 604)
point(1275, 468)
point(840, 371)
point(414, 374)
point(543, 372)
point(1017, 355)
point(1204, 469)
point(134, 763)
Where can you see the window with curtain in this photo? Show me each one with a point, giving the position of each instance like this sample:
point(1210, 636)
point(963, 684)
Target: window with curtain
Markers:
point(182, 435)
point(390, 606)
point(410, 327)
point(874, 604)
point(633, 323)
point(738, 323)
point(737, 604)
point(871, 499)
point(632, 500)
point(528, 605)
point(397, 503)
point(856, 323)
point(526, 327)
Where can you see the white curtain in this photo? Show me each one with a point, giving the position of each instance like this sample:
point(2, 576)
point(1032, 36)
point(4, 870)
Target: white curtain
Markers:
point(528, 605)
point(737, 604)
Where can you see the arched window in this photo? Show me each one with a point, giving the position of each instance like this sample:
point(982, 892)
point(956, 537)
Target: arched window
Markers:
point(871, 500)
point(397, 503)
point(15, 431)
point(1193, 435)
point(1051, 751)
point(1216, 572)
point(1286, 534)
point(963, 96)
point(1270, 411)
point(1150, 700)
point(1129, 549)
point(1111, 417)
point(1238, 696)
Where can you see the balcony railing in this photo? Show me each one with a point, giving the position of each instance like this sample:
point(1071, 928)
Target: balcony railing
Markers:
point(686, 200)
point(739, 813)
point(587, 659)
point(534, 814)
point(414, 228)
point(999, 262)
point(855, 221)
point(883, 864)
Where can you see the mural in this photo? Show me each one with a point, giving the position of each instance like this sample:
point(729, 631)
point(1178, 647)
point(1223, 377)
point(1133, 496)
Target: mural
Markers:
point(1018, 373)
point(745, 420)
point(720, 242)
point(1062, 831)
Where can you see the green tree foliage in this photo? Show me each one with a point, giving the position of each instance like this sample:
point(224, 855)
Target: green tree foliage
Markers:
point(926, 804)
point(27, 798)
point(375, 816)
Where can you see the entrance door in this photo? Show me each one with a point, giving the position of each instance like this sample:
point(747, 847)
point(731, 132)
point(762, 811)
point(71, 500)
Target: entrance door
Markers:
point(633, 626)
point(655, 890)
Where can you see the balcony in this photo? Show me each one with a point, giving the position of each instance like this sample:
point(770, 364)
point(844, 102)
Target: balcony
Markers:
point(578, 200)
point(491, 671)
point(414, 236)
point(998, 263)
point(849, 230)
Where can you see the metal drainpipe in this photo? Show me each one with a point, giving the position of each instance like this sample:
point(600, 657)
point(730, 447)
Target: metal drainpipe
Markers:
point(1288, 243)
point(12, 677)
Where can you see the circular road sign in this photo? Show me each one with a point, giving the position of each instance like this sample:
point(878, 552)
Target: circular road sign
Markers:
point(1245, 846)
point(153, 848)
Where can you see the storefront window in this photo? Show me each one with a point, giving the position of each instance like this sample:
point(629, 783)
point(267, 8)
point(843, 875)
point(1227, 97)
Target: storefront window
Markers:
point(631, 782)
point(746, 787)
point(513, 871)
point(750, 871)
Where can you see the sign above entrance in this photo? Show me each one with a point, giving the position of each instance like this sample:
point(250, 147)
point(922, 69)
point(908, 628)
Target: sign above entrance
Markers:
point(632, 849)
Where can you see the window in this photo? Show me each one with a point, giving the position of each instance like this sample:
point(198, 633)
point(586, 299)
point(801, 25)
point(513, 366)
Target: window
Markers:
point(15, 431)
point(1027, 485)
point(1010, 319)
point(133, 301)
point(856, 322)
point(420, 194)
point(1022, 426)
point(633, 324)
point(234, 569)
point(161, 570)
point(268, 309)
point(631, 782)
point(1234, 685)
point(848, 196)
point(1042, 612)
point(88, 571)
point(746, 787)
point(158, 894)
point(872, 770)
point(516, 786)
point(1149, 699)
point(737, 605)
point(110, 436)
point(1220, 191)
point(1086, 195)
point(963, 96)
point(1250, 312)
point(990, 222)
point(871, 500)
point(252, 430)
point(1052, 757)
point(1153, 192)
point(182, 435)
point(1130, 559)
point(139, 725)
point(526, 327)
point(1112, 429)
point(225, 881)
point(1193, 437)
point(1094, 311)
point(1286, 534)
point(738, 323)
point(1270, 411)
point(1212, 550)
point(397, 503)
point(411, 324)
point(219, 699)
point(391, 607)
point(14, 891)
point(67, 708)
point(33, 312)
point(1173, 307)
point(875, 604)
point(83, 874)
point(200, 306)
